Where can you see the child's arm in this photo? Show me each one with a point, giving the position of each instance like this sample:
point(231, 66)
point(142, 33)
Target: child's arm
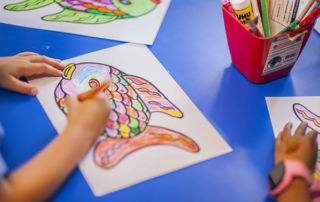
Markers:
point(305, 150)
point(39, 178)
point(26, 64)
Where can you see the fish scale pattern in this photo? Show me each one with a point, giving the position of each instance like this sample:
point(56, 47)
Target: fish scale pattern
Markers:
point(130, 115)
point(101, 7)
point(131, 98)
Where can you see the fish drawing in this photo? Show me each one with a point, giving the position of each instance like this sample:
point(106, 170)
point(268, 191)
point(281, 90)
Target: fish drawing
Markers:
point(89, 11)
point(133, 100)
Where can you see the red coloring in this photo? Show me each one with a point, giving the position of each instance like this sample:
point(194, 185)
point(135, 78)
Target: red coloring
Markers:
point(167, 108)
point(136, 81)
point(145, 90)
point(292, 147)
point(62, 102)
point(156, 1)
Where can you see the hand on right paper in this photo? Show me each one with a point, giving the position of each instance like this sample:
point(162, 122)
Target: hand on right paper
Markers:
point(300, 146)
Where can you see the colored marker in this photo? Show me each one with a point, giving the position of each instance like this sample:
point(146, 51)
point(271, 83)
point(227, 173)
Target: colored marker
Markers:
point(93, 92)
point(294, 24)
point(311, 18)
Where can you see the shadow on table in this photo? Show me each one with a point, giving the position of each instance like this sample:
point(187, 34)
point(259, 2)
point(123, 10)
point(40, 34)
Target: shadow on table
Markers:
point(246, 125)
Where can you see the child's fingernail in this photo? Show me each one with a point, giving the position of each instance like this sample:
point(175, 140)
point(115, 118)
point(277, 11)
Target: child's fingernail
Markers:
point(59, 73)
point(60, 62)
point(34, 91)
point(63, 64)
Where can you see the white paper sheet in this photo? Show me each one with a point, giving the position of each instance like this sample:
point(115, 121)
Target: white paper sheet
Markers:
point(281, 110)
point(142, 29)
point(292, 109)
point(151, 161)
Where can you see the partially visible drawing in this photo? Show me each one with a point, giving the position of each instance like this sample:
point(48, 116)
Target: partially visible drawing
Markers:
point(313, 121)
point(307, 116)
point(132, 99)
point(90, 11)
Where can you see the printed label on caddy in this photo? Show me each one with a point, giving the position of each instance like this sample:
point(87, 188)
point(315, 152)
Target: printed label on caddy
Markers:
point(283, 53)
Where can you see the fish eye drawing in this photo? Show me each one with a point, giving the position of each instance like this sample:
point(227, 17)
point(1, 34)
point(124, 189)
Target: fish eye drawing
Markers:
point(313, 121)
point(133, 100)
point(89, 11)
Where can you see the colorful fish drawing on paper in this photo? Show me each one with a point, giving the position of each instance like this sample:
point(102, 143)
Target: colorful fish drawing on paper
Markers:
point(90, 11)
point(133, 100)
point(313, 121)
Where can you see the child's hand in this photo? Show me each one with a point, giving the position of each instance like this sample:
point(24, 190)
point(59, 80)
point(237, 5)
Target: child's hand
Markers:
point(88, 118)
point(26, 64)
point(301, 146)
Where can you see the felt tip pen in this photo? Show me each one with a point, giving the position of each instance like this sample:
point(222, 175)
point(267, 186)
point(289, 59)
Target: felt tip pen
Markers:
point(294, 24)
point(93, 92)
point(311, 18)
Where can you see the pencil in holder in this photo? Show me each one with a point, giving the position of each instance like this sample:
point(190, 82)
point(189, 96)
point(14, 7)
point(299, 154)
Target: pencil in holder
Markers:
point(261, 59)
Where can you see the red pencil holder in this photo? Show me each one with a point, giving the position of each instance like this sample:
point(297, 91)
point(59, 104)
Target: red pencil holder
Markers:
point(261, 59)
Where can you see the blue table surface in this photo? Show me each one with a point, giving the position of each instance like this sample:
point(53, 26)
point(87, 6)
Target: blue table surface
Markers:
point(192, 46)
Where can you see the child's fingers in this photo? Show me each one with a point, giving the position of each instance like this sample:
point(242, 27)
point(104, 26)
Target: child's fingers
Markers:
point(278, 142)
point(27, 53)
point(39, 68)
point(102, 98)
point(316, 147)
point(301, 130)
point(315, 152)
point(71, 103)
point(104, 102)
point(44, 59)
point(286, 133)
point(312, 135)
point(19, 86)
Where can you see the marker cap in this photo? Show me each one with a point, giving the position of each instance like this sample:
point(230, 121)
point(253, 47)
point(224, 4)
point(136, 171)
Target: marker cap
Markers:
point(240, 4)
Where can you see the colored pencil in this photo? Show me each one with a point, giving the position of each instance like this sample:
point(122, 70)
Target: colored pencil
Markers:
point(93, 92)
point(311, 18)
point(265, 18)
point(294, 24)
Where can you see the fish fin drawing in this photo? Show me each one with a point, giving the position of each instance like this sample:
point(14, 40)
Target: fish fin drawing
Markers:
point(154, 99)
point(110, 151)
point(307, 116)
point(73, 16)
point(28, 5)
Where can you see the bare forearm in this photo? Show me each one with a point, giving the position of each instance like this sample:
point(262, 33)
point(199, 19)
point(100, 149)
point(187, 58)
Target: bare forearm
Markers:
point(298, 191)
point(39, 178)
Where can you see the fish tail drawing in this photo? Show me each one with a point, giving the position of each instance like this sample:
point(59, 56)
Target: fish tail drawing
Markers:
point(111, 151)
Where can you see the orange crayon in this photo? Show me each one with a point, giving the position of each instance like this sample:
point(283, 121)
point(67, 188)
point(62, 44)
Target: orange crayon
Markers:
point(93, 92)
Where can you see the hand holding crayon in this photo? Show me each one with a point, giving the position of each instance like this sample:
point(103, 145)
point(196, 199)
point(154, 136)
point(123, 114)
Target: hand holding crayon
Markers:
point(93, 92)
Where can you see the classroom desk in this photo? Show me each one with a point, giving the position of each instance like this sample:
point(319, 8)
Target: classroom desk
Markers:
point(192, 46)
